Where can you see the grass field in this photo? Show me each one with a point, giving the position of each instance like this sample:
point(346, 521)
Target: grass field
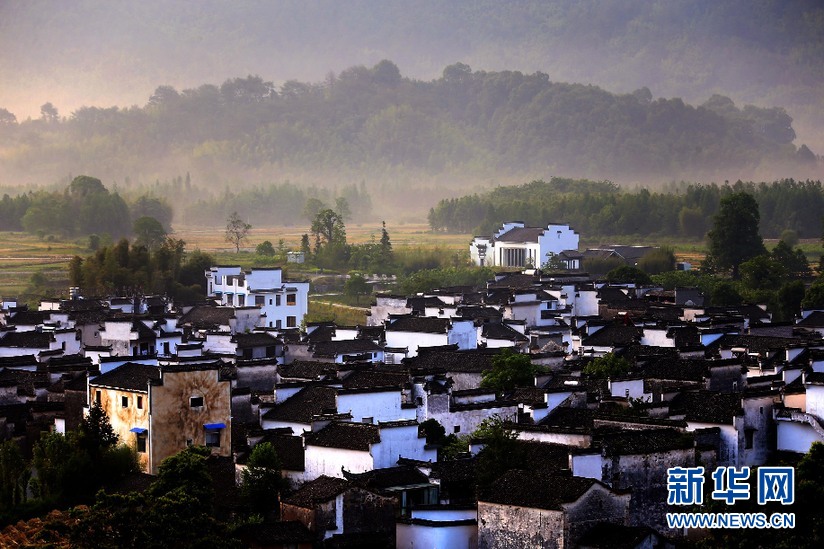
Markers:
point(22, 255)
point(211, 238)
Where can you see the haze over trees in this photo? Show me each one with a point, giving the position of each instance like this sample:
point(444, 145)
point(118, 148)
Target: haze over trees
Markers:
point(405, 136)
point(768, 53)
point(597, 208)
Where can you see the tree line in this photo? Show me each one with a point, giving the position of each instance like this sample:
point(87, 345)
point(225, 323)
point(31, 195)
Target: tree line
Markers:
point(374, 120)
point(83, 208)
point(603, 209)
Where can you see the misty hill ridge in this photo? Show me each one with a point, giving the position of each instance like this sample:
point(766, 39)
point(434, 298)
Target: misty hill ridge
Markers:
point(92, 52)
point(373, 121)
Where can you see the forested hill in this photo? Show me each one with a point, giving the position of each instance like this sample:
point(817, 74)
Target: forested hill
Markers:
point(102, 53)
point(599, 208)
point(374, 124)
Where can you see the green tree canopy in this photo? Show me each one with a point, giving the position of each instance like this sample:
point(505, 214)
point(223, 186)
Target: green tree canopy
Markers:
point(609, 365)
point(148, 232)
point(263, 480)
point(265, 248)
point(356, 286)
point(185, 471)
point(734, 237)
point(628, 275)
point(509, 370)
point(328, 228)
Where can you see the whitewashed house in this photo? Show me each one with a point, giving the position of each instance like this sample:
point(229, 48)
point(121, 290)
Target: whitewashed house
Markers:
point(516, 245)
point(283, 303)
point(362, 447)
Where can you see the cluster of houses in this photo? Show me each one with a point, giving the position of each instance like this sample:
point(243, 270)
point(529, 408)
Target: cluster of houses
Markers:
point(343, 405)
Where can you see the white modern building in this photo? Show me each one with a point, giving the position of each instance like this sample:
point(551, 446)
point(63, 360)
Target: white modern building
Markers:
point(283, 303)
point(516, 245)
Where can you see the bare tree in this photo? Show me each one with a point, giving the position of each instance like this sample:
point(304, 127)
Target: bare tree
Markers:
point(237, 230)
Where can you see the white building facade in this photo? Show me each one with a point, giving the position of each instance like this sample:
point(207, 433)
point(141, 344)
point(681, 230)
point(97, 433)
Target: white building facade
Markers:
point(516, 245)
point(283, 303)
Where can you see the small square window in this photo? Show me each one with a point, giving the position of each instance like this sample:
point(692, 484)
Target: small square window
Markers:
point(139, 402)
point(196, 402)
point(124, 402)
point(189, 442)
point(456, 429)
point(291, 299)
point(291, 321)
point(213, 438)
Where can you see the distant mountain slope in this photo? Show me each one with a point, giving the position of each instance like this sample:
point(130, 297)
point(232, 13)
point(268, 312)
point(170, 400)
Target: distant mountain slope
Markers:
point(373, 123)
point(96, 53)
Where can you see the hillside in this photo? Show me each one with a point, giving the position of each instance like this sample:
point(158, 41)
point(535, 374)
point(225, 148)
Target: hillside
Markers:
point(412, 141)
point(96, 53)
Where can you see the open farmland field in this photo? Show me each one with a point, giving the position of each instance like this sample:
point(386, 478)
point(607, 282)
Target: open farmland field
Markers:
point(22, 255)
point(210, 239)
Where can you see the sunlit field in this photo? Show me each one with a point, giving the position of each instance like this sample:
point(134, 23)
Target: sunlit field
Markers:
point(211, 239)
point(22, 254)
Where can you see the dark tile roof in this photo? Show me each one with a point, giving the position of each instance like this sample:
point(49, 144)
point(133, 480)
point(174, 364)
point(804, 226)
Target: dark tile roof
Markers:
point(69, 362)
point(755, 344)
point(522, 234)
point(323, 332)
point(30, 340)
point(420, 303)
point(502, 331)
point(632, 442)
point(457, 361)
point(304, 405)
point(289, 450)
point(457, 470)
point(329, 349)
point(18, 361)
point(612, 295)
point(539, 490)
point(480, 313)
point(707, 407)
point(577, 419)
point(813, 320)
point(360, 379)
point(254, 339)
point(390, 477)
point(676, 369)
point(544, 456)
point(306, 369)
point(25, 380)
point(350, 436)
point(207, 317)
point(318, 491)
point(427, 325)
point(29, 318)
point(614, 334)
point(370, 332)
point(130, 376)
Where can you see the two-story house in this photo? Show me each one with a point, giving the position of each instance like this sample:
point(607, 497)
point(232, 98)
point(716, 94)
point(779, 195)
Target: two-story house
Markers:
point(283, 303)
